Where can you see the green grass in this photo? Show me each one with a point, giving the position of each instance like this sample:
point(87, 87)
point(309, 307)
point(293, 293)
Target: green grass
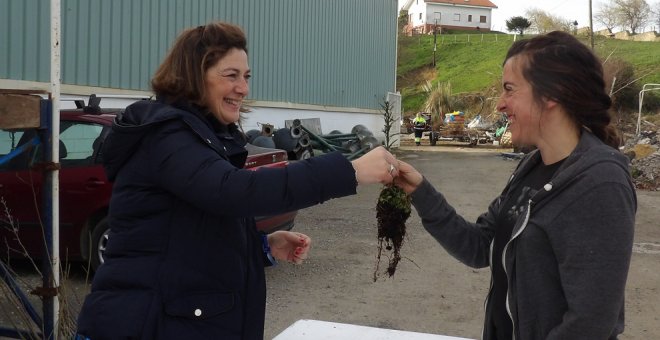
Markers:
point(643, 55)
point(476, 65)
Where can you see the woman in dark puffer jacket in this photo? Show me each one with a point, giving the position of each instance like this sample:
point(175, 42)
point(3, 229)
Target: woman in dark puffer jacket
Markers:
point(184, 259)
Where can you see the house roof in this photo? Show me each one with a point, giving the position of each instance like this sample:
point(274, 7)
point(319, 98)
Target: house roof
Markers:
point(476, 3)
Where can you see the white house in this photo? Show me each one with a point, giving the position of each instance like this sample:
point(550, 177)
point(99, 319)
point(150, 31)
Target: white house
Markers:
point(425, 15)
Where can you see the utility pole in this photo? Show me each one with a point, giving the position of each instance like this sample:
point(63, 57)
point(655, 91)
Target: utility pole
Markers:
point(435, 39)
point(591, 26)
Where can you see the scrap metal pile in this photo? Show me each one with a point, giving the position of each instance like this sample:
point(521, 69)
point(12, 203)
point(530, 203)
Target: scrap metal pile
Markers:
point(644, 153)
point(301, 143)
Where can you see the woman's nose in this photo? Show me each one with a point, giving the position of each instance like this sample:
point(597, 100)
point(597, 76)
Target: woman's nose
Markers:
point(501, 105)
point(243, 87)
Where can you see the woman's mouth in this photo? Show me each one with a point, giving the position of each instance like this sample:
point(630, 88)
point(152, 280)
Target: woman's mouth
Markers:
point(233, 102)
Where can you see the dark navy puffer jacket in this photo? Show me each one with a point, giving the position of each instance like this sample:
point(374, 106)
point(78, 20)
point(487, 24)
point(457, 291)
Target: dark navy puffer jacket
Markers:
point(184, 259)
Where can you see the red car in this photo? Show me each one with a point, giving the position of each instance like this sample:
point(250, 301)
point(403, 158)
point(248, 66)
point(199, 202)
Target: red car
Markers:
point(84, 189)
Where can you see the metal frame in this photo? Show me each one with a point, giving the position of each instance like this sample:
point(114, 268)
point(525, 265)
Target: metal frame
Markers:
point(652, 87)
point(48, 292)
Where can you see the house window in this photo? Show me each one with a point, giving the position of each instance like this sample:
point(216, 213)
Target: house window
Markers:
point(420, 16)
point(482, 19)
point(457, 17)
point(470, 18)
point(437, 16)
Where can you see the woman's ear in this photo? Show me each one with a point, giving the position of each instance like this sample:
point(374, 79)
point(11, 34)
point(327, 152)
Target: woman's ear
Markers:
point(549, 104)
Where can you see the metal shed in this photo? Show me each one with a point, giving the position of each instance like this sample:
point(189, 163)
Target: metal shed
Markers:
point(333, 60)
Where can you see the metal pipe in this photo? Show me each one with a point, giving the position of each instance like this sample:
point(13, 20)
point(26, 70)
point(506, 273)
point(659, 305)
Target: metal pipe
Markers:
point(338, 135)
point(591, 26)
point(25, 302)
point(357, 153)
point(51, 305)
point(296, 132)
point(316, 144)
point(652, 87)
point(319, 139)
point(303, 141)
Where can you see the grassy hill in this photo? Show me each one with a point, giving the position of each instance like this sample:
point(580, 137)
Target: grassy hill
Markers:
point(473, 63)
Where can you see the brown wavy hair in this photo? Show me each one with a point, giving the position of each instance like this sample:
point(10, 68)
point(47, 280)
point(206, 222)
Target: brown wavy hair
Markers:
point(181, 74)
point(562, 69)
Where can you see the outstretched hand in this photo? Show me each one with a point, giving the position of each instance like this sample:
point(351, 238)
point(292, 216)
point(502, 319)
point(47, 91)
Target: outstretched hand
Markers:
point(289, 246)
point(408, 178)
point(376, 166)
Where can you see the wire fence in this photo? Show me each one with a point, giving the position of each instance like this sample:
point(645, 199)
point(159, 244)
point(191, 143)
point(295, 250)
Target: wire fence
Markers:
point(475, 38)
point(442, 39)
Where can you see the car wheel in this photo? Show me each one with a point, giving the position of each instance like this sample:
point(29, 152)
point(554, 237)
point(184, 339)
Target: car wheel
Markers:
point(99, 242)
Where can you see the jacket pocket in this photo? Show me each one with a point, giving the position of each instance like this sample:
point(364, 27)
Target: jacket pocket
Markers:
point(200, 306)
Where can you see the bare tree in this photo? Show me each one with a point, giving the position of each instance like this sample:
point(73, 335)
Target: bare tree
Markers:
point(608, 17)
point(633, 14)
point(656, 15)
point(544, 22)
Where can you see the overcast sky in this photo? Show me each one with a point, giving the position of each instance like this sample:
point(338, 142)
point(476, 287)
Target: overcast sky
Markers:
point(567, 9)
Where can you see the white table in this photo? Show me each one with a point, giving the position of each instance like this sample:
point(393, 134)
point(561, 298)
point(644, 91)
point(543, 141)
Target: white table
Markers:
point(323, 330)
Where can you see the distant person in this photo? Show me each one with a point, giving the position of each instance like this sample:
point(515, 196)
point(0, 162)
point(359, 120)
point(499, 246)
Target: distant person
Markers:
point(559, 238)
point(184, 259)
point(419, 125)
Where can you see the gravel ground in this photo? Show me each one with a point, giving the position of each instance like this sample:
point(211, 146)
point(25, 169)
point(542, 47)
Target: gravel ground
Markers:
point(431, 292)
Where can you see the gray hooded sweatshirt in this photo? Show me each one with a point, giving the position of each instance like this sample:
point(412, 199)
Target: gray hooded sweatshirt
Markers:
point(568, 256)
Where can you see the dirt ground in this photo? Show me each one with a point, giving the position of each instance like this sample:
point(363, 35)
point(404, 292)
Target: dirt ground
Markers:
point(431, 292)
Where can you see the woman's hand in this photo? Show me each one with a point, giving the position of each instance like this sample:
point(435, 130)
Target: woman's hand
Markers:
point(409, 178)
point(376, 166)
point(289, 246)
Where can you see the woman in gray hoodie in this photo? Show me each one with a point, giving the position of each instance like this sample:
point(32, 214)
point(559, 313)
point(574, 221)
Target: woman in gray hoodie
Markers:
point(559, 238)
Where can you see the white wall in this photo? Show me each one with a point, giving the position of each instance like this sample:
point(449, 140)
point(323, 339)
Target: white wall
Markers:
point(418, 6)
point(276, 116)
point(447, 14)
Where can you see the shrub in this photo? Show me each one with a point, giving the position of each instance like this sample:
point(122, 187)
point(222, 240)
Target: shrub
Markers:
point(626, 87)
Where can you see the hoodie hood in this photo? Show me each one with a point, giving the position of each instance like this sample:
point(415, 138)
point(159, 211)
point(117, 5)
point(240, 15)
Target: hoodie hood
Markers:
point(138, 119)
point(589, 152)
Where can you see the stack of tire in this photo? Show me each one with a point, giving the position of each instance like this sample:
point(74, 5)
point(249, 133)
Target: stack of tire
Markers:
point(261, 138)
point(293, 140)
point(301, 143)
point(366, 138)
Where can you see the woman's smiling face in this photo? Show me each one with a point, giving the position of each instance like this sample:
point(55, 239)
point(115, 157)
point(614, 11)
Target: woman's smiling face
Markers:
point(517, 101)
point(227, 86)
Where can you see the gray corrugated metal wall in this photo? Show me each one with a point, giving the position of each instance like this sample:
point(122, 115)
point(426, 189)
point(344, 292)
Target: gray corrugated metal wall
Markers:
point(24, 36)
point(325, 52)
